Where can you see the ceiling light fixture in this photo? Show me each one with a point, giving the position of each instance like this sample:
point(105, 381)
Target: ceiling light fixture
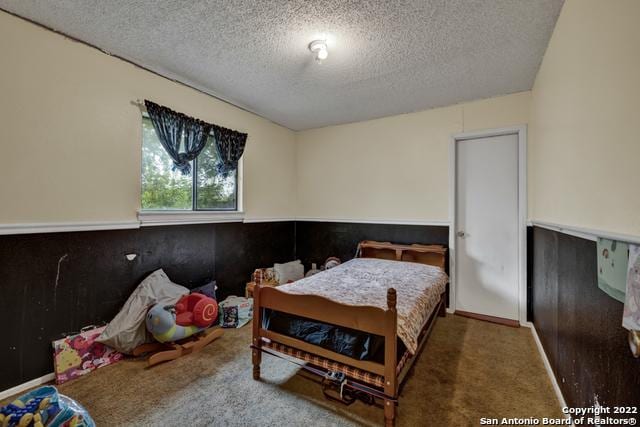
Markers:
point(319, 48)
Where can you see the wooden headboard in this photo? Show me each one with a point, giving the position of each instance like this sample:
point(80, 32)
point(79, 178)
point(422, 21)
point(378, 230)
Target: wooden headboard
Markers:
point(422, 254)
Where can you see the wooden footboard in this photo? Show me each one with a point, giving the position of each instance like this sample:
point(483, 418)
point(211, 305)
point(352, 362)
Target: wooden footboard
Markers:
point(367, 319)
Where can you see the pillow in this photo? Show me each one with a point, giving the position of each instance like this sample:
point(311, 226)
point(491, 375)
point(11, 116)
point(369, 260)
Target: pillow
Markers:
point(128, 330)
point(289, 272)
point(209, 290)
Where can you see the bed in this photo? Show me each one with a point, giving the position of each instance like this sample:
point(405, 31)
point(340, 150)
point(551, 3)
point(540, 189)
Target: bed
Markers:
point(366, 320)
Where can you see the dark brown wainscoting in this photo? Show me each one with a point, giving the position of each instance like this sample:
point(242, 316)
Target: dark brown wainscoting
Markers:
point(317, 240)
point(55, 283)
point(579, 325)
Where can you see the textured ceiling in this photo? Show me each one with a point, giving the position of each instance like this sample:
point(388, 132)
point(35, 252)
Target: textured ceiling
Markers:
point(385, 57)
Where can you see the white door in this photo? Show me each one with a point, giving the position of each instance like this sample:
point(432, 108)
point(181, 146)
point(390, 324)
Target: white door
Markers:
point(487, 226)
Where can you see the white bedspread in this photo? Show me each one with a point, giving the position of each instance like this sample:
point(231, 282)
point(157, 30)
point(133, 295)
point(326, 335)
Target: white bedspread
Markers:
point(364, 281)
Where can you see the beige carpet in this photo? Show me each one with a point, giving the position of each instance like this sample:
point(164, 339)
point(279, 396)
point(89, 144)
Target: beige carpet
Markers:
point(468, 369)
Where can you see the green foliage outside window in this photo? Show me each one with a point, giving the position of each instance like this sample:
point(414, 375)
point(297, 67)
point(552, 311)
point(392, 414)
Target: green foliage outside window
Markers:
point(162, 188)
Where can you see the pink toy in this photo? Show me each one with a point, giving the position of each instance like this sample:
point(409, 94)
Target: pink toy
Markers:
point(79, 354)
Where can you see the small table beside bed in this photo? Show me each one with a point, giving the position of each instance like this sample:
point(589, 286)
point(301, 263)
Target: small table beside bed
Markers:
point(366, 319)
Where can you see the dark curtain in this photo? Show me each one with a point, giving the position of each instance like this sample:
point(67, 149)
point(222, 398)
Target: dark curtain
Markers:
point(196, 133)
point(229, 147)
point(170, 126)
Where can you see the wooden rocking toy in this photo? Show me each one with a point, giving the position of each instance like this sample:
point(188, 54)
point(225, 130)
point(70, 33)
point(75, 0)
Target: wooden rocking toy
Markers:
point(180, 329)
point(163, 352)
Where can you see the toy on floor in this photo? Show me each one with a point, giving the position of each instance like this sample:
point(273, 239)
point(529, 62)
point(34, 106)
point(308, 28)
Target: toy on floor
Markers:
point(236, 312)
point(78, 354)
point(44, 406)
point(127, 330)
point(185, 322)
point(35, 411)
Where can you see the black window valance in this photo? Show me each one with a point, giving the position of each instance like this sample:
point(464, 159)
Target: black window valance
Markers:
point(229, 147)
point(173, 127)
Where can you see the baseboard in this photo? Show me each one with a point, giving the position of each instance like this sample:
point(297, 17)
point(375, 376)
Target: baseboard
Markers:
point(26, 386)
point(547, 366)
point(486, 318)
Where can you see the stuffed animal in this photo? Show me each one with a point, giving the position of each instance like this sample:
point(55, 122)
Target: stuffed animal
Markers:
point(180, 329)
point(190, 315)
point(196, 309)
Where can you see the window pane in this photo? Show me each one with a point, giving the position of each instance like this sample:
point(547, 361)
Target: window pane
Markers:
point(213, 191)
point(162, 188)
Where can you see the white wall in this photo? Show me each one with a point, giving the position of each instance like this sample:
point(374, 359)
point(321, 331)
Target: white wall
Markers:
point(70, 138)
point(394, 168)
point(584, 143)
point(70, 144)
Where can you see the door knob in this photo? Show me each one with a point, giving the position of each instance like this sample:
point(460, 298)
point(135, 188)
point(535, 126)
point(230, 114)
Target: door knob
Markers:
point(461, 234)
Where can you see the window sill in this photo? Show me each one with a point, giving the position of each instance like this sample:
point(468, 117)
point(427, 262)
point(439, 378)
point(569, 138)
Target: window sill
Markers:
point(151, 218)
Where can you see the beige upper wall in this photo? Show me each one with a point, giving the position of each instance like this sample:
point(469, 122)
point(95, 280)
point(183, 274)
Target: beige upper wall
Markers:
point(73, 142)
point(394, 168)
point(71, 138)
point(583, 141)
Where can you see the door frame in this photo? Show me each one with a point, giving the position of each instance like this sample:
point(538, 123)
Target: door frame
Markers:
point(521, 132)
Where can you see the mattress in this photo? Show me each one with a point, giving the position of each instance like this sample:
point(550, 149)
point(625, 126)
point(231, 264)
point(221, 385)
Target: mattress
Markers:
point(349, 342)
point(364, 281)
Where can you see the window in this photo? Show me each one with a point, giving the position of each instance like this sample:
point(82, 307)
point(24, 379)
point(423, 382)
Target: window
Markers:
point(164, 189)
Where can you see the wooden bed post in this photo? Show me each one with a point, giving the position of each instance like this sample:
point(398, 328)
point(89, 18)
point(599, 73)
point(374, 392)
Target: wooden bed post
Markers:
point(390, 359)
point(256, 353)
